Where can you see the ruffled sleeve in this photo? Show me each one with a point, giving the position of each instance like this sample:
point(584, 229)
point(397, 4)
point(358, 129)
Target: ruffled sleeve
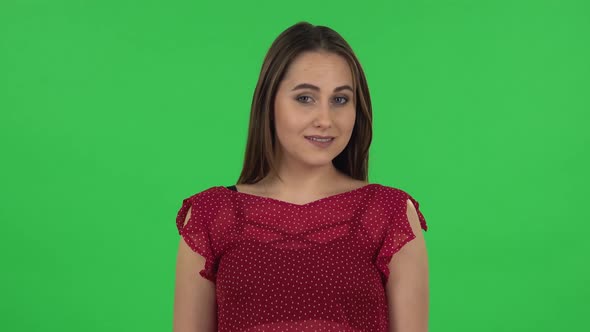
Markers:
point(398, 232)
point(196, 232)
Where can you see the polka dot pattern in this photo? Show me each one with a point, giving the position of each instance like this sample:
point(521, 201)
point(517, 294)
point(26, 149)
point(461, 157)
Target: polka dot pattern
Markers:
point(281, 266)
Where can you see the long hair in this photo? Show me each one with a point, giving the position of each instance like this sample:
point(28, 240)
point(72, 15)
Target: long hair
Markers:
point(259, 159)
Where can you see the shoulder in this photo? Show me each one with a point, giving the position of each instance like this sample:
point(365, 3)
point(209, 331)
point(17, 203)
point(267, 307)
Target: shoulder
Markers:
point(203, 205)
point(392, 194)
point(400, 202)
point(208, 200)
point(208, 194)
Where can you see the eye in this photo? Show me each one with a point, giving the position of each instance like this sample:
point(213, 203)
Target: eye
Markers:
point(303, 100)
point(341, 100)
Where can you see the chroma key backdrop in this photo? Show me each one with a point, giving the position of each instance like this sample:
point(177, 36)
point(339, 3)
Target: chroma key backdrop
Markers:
point(112, 112)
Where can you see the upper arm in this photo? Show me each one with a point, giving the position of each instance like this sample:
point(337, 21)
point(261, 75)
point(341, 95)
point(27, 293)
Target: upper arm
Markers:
point(407, 287)
point(194, 296)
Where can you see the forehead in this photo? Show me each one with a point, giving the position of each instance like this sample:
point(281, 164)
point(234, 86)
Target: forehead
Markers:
point(320, 68)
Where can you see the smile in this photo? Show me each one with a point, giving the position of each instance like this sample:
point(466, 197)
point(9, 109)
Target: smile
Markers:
point(320, 142)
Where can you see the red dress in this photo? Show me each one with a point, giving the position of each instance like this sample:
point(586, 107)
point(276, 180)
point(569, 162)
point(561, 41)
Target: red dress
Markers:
point(279, 266)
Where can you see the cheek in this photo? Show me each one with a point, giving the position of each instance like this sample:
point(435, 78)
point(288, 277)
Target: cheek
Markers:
point(287, 116)
point(346, 120)
point(285, 126)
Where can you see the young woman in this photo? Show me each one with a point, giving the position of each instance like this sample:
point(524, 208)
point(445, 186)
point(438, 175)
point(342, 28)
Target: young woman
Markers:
point(303, 242)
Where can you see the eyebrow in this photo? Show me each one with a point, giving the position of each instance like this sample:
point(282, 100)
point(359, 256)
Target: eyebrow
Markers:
point(313, 87)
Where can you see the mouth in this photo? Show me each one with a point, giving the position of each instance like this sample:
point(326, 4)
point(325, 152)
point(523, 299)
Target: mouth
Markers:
point(320, 141)
point(320, 138)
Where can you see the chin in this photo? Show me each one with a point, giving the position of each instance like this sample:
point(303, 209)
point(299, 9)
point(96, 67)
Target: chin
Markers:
point(320, 160)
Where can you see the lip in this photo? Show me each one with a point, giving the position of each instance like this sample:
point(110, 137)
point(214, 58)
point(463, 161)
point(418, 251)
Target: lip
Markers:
point(319, 144)
point(317, 136)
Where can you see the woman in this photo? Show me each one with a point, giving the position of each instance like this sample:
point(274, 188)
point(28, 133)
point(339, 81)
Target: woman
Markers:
point(303, 242)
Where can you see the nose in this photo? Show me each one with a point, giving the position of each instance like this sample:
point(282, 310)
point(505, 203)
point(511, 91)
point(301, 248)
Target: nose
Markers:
point(323, 115)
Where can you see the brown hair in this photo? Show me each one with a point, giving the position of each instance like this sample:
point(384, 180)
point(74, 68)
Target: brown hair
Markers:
point(259, 158)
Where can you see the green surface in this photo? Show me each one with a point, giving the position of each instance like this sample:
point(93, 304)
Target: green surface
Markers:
point(112, 112)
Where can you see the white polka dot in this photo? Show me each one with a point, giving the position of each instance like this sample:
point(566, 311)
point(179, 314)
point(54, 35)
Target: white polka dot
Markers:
point(281, 266)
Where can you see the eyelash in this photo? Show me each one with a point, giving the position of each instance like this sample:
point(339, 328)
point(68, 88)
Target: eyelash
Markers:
point(345, 99)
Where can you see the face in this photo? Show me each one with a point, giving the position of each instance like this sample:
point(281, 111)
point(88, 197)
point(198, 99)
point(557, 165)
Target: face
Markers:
point(315, 98)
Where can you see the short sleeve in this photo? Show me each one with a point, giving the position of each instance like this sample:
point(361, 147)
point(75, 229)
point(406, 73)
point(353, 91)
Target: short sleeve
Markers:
point(196, 231)
point(398, 232)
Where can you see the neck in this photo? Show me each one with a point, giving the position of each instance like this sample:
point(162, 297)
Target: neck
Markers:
point(308, 180)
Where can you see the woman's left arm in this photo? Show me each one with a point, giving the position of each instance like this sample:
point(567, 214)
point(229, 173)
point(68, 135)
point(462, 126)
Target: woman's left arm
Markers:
point(407, 286)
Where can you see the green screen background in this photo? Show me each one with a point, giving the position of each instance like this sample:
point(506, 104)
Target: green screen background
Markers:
point(112, 112)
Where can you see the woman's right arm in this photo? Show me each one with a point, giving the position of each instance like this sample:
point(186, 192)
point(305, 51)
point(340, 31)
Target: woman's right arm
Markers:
point(195, 309)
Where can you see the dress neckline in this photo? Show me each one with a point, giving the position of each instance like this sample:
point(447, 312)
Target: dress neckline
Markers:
point(323, 199)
